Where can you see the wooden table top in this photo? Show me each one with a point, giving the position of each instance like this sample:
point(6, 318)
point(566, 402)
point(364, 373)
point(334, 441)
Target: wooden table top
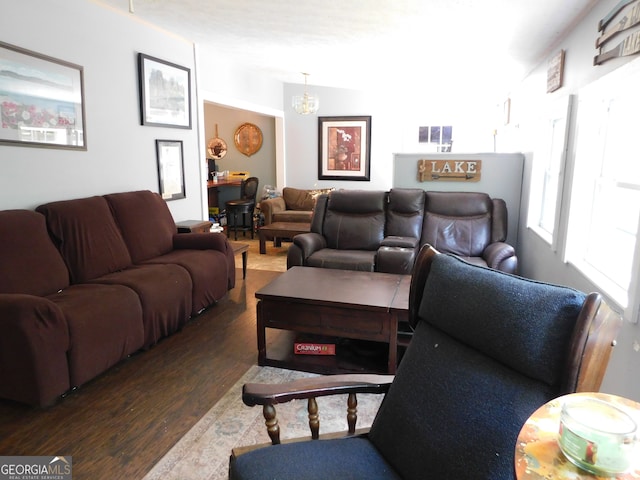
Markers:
point(344, 288)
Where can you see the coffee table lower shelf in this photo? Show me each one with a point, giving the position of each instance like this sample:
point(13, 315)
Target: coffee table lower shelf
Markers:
point(352, 356)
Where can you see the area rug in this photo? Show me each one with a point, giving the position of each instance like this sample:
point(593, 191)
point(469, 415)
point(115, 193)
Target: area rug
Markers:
point(203, 453)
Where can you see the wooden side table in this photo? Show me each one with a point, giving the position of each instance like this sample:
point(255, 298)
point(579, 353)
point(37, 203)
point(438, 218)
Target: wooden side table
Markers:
point(538, 454)
point(280, 230)
point(242, 248)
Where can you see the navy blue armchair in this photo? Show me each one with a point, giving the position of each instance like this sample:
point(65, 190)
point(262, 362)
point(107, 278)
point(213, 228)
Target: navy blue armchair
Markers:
point(488, 349)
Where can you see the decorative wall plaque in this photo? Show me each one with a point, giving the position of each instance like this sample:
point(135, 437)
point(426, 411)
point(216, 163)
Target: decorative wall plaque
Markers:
point(449, 170)
point(555, 72)
point(248, 139)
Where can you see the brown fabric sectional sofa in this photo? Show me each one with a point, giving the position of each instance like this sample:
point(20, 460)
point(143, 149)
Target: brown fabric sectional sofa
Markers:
point(87, 282)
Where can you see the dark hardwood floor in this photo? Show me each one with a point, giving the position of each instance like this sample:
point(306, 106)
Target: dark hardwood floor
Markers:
point(121, 423)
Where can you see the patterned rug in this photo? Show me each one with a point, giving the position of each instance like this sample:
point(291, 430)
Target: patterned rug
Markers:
point(203, 453)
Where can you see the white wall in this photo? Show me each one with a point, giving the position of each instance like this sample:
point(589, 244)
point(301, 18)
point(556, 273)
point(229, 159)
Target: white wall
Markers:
point(537, 259)
point(120, 153)
point(501, 177)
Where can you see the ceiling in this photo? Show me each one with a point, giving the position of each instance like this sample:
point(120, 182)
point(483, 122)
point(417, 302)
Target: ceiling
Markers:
point(370, 43)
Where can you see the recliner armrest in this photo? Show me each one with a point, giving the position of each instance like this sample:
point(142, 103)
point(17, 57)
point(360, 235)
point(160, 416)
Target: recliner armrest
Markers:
point(309, 243)
point(396, 241)
point(200, 241)
point(501, 256)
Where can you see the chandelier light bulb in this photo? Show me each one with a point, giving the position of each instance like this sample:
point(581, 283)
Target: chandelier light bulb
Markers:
point(305, 104)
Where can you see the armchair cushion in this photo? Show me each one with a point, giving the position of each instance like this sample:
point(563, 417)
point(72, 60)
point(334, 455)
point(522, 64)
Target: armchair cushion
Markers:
point(489, 316)
point(314, 461)
point(474, 346)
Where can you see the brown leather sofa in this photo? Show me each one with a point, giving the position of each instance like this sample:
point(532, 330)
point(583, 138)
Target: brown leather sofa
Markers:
point(88, 282)
point(383, 231)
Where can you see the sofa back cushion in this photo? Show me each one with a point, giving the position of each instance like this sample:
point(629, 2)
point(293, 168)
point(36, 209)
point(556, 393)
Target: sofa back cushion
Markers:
point(297, 199)
point(31, 264)
point(458, 222)
point(355, 219)
point(405, 212)
point(145, 222)
point(87, 236)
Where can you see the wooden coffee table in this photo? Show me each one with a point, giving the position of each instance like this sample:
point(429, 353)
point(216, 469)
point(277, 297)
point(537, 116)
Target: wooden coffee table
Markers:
point(331, 303)
point(280, 230)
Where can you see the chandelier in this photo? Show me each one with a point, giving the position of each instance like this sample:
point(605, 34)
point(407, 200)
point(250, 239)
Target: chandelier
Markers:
point(305, 104)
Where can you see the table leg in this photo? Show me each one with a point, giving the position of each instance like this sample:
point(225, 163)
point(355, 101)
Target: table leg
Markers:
point(244, 264)
point(261, 334)
point(263, 246)
point(393, 345)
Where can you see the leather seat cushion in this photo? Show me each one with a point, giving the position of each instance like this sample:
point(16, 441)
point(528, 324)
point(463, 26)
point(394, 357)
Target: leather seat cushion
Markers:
point(362, 260)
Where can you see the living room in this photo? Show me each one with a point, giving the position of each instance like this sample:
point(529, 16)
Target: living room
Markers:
point(121, 153)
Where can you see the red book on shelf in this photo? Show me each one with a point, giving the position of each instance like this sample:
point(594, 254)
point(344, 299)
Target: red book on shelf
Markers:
point(304, 348)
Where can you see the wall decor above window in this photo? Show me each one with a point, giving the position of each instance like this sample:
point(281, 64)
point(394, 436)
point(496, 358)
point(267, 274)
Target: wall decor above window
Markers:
point(41, 100)
point(165, 93)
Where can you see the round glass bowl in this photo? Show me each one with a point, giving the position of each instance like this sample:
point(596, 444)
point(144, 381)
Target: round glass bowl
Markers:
point(597, 436)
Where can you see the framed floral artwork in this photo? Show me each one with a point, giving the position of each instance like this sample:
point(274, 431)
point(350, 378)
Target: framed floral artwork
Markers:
point(165, 93)
point(41, 100)
point(344, 148)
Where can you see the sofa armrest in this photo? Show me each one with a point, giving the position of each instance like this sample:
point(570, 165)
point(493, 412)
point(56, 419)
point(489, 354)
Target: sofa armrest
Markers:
point(200, 241)
point(309, 243)
point(270, 206)
point(33, 349)
point(501, 256)
point(396, 241)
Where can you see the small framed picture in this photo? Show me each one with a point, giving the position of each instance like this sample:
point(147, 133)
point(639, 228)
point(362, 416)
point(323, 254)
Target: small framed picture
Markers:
point(344, 148)
point(170, 169)
point(165, 93)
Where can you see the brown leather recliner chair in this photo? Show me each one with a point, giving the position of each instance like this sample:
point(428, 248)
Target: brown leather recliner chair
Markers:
point(347, 229)
point(470, 225)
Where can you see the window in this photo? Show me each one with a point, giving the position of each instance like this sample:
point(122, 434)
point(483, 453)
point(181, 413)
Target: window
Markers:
point(548, 172)
point(440, 136)
point(605, 196)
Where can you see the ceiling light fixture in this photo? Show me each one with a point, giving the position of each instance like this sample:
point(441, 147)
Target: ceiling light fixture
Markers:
point(305, 104)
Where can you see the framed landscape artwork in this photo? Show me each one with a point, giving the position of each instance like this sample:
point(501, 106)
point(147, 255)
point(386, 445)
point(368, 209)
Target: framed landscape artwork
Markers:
point(41, 100)
point(165, 93)
point(344, 148)
point(170, 169)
